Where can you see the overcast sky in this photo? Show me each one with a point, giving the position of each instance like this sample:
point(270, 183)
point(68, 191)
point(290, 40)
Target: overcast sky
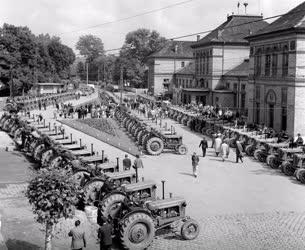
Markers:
point(63, 16)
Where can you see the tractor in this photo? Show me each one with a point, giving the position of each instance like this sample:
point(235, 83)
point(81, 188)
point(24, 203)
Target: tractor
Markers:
point(299, 163)
point(273, 159)
point(156, 142)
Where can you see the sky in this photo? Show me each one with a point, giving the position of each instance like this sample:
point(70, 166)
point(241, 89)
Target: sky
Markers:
point(69, 19)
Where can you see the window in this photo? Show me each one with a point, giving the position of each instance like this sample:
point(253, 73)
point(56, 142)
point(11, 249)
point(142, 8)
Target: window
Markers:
point(227, 85)
point(257, 93)
point(285, 62)
point(243, 100)
point(243, 87)
point(257, 113)
point(166, 84)
point(284, 96)
point(267, 65)
point(235, 87)
point(257, 65)
point(182, 64)
point(274, 64)
point(217, 99)
point(284, 118)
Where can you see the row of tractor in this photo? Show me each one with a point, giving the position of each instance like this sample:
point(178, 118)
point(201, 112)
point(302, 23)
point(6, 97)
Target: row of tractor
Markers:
point(154, 141)
point(276, 150)
point(133, 207)
point(33, 102)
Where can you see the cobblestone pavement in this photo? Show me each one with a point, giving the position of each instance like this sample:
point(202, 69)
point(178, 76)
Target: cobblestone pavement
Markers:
point(238, 206)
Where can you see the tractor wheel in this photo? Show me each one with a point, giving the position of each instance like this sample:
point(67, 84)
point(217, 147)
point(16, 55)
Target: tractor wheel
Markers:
point(55, 162)
point(232, 143)
point(188, 124)
point(197, 128)
point(190, 229)
point(137, 231)
point(269, 159)
point(79, 176)
point(302, 176)
point(274, 162)
point(92, 189)
point(111, 205)
point(287, 168)
point(144, 140)
point(256, 154)
point(182, 149)
point(297, 173)
point(154, 146)
point(249, 150)
point(139, 136)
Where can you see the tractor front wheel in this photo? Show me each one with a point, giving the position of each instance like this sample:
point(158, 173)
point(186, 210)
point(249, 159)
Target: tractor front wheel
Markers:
point(154, 146)
point(182, 149)
point(287, 168)
point(137, 231)
point(302, 176)
point(190, 229)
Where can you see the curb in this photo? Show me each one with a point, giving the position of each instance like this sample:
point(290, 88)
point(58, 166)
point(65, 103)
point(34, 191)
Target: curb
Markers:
point(2, 241)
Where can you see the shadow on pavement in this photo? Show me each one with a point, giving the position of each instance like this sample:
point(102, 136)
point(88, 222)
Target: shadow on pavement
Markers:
point(268, 171)
point(189, 174)
point(13, 244)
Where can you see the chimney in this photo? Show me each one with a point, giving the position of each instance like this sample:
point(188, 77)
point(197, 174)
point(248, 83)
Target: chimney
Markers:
point(198, 37)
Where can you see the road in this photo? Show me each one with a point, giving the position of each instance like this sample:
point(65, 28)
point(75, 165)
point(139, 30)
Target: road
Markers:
point(239, 206)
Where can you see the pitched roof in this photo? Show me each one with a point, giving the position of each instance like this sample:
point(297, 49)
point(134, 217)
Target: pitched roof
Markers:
point(168, 51)
point(294, 18)
point(234, 30)
point(189, 69)
point(240, 70)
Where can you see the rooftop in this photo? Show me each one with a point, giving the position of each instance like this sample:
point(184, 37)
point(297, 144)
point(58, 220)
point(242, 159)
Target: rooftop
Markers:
point(182, 48)
point(49, 84)
point(293, 19)
point(234, 30)
point(189, 69)
point(240, 70)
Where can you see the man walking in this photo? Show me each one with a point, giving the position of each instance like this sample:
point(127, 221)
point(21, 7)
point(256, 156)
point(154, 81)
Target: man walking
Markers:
point(137, 164)
point(239, 151)
point(195, 161)
point(126, 163)
point(104, 234)
point(204, 145)
point(218, 142)
point(225, 149)
point(78, 237)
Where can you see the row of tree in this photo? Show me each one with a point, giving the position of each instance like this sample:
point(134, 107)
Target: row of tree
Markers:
point(26, 59)
point(131, 60)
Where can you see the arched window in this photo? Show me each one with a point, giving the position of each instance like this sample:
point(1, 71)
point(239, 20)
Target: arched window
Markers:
point(285, 61)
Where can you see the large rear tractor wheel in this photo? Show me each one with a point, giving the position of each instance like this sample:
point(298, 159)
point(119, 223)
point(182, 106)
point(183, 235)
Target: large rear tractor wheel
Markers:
point(302, 176)
point(249, 150)
point(182, 149)
point(92, 189)
point(287, 168)
point(137, 231)
point(256, 154)
point(110, 205)
point(274, 162)
point(190, 229)
point(154, 146)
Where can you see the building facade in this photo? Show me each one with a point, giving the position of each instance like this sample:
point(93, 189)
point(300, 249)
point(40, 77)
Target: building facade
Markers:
point(48, 88)
point(163, 64)
point(218, 57)
point(277, 73)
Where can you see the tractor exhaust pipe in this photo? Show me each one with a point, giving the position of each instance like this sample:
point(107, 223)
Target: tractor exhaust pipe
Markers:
point(92, 152)
point(103, 156)
point(80, 142)
point(117, 163)
point(163, 197)
point(71, 138)
point(170, 195)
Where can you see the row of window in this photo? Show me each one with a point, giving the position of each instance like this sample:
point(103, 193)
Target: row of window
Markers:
point(202, 65)
point(271, 64)
point(235, 85)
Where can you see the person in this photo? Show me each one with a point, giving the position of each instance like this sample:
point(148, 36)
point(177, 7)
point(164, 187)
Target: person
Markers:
point(138, 162)
point(195, 161)
point(126, 163)
point(204, 145)
point(299, 141)
point(104, 234)
point(225, 149)
point(239, 151)
point(78, 237)
point(217, 145)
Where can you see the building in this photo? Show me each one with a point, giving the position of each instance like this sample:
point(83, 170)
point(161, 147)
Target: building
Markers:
point(164, 63)
point(277, 73)
point(47, 88)
point(220, 60)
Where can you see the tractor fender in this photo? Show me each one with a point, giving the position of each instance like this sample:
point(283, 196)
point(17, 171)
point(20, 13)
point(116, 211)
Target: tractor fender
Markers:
point(136, 210)
point(114, 192)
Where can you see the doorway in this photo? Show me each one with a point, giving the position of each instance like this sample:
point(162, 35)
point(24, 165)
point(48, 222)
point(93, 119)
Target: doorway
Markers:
point(271, 115)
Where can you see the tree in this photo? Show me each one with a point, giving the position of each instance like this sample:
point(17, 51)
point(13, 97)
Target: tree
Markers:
point(53, 195)
point(90, 46)
point(80, 70)
point(138, 45)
